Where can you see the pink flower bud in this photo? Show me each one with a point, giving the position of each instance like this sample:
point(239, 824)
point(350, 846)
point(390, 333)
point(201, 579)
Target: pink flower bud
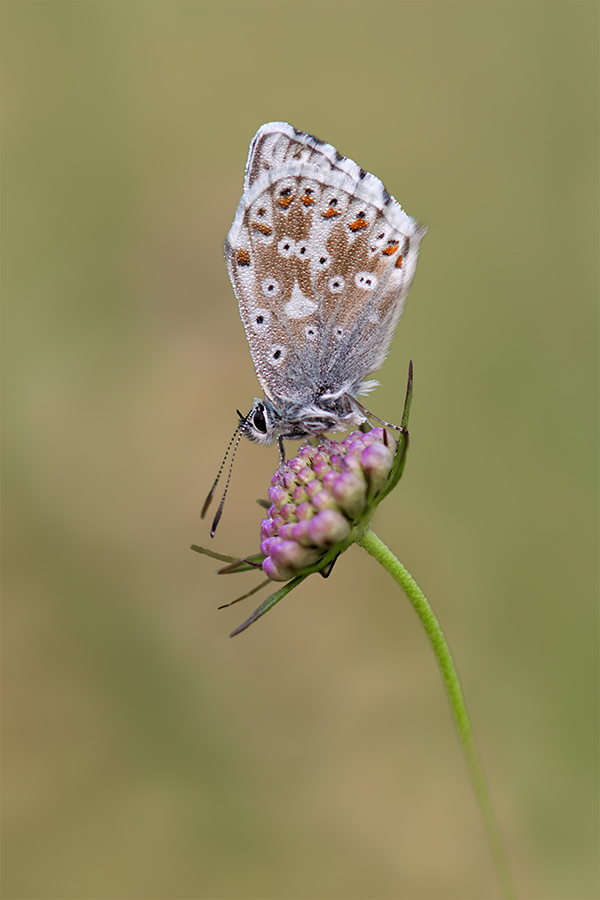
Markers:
point(377, 461)
point(328, 528)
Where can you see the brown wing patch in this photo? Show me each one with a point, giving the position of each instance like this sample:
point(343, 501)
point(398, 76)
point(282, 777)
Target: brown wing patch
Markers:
point(275, 287)
point(262, 227)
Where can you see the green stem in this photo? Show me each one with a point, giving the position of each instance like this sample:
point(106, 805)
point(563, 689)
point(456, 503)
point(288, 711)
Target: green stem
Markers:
point(373, 545)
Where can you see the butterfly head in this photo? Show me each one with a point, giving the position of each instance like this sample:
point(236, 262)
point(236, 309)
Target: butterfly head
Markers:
point(293, 421)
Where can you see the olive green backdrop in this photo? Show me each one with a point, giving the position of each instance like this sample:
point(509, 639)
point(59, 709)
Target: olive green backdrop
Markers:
point(146, 755)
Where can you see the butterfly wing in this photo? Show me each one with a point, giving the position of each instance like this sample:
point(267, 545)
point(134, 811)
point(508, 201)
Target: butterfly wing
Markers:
point(321, 259)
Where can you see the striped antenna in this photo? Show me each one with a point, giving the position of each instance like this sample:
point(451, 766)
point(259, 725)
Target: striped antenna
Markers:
point(237, 434)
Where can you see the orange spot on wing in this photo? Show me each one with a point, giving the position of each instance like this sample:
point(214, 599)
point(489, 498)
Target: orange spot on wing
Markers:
point(242, 257)
point(358, 224)
point(399, 261)
point(264, 229)
point(391, 248)
point(307, 200)
point(329, 213)
point(285, 201)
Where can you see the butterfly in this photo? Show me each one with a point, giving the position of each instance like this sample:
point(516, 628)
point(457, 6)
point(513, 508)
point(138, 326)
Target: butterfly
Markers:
point(321, 258)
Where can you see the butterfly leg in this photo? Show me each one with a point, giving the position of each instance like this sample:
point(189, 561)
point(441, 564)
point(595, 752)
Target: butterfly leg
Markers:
point(281, 450)
point(326, 572)
point(371, 415)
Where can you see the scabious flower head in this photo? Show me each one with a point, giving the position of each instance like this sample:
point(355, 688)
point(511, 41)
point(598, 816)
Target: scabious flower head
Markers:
point(320, 497)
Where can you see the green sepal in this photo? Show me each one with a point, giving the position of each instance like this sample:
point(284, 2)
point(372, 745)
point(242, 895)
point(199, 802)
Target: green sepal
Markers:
point(234, 563)
point(246, 564)
point(402, 449)
point(269, 603)
point(220, 556)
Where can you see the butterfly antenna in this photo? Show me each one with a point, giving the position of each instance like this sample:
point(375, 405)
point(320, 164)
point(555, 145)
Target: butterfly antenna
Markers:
point(219, 512)
point(208, 500)
point(239, 431)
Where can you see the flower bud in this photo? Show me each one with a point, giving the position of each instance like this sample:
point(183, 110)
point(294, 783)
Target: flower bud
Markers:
point(319, 497)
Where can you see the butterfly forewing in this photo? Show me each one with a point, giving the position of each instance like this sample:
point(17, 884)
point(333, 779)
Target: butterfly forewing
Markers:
point(321, 259)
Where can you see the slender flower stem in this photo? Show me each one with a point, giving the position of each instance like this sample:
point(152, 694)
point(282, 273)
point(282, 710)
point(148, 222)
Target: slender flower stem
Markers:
point(373, 545)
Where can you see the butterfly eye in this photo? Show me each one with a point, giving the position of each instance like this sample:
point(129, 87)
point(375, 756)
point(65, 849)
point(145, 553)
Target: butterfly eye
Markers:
point(259, 421)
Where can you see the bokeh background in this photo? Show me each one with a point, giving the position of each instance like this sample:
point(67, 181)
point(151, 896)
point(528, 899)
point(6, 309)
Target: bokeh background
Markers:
point(146, 755)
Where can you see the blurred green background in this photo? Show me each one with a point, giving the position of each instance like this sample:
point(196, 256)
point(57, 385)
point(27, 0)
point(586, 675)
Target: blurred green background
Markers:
point(146, 755)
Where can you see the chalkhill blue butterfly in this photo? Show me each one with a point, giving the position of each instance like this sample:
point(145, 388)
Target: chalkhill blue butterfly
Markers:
point(321, 258)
